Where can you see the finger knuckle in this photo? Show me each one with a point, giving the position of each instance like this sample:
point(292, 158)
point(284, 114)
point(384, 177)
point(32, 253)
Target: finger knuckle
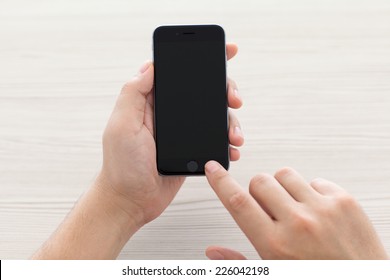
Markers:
point(344, 201)
point(239, 201)
point(324, 210)
point(303, 223)
point(128, 86)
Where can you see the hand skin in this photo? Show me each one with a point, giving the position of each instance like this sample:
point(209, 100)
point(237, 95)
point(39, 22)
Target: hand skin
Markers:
point(284, 217)
point(128, 192)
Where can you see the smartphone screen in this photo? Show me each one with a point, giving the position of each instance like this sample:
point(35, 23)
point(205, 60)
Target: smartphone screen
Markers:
point(190, 90)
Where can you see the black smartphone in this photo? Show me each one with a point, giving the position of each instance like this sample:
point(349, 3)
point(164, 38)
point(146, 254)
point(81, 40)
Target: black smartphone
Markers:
point(190, 98)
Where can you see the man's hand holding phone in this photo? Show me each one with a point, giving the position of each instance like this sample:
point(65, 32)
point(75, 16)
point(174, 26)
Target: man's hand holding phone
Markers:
point(129, 173)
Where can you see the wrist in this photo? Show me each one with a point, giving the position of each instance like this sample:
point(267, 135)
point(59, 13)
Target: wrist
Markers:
point(126, 216)
point(97, 227)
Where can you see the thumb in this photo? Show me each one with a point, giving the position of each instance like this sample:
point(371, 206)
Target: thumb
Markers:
point(132, 100)
point(221, 253)
point(144, 79)
point(142, 83)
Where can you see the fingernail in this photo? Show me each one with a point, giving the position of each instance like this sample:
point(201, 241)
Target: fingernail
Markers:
point(215, 255)
point(236, 94)
point(145, 67)
point(238, 131)
point(212, 166)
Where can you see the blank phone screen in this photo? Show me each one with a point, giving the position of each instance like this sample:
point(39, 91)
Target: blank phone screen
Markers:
point(190, 102)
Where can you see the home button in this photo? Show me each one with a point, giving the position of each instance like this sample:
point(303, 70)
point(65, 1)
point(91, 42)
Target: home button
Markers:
point(192, 166)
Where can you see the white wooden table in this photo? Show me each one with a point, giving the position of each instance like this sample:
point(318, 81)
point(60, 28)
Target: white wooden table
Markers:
point(315, 79)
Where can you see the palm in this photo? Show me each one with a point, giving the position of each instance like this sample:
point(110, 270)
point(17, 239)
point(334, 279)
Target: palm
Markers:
point(155, 190)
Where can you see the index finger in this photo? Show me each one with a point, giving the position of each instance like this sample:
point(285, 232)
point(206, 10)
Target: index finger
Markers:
point(247, 213)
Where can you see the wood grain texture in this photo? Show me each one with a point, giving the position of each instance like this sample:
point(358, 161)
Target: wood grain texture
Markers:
point(315, 78)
